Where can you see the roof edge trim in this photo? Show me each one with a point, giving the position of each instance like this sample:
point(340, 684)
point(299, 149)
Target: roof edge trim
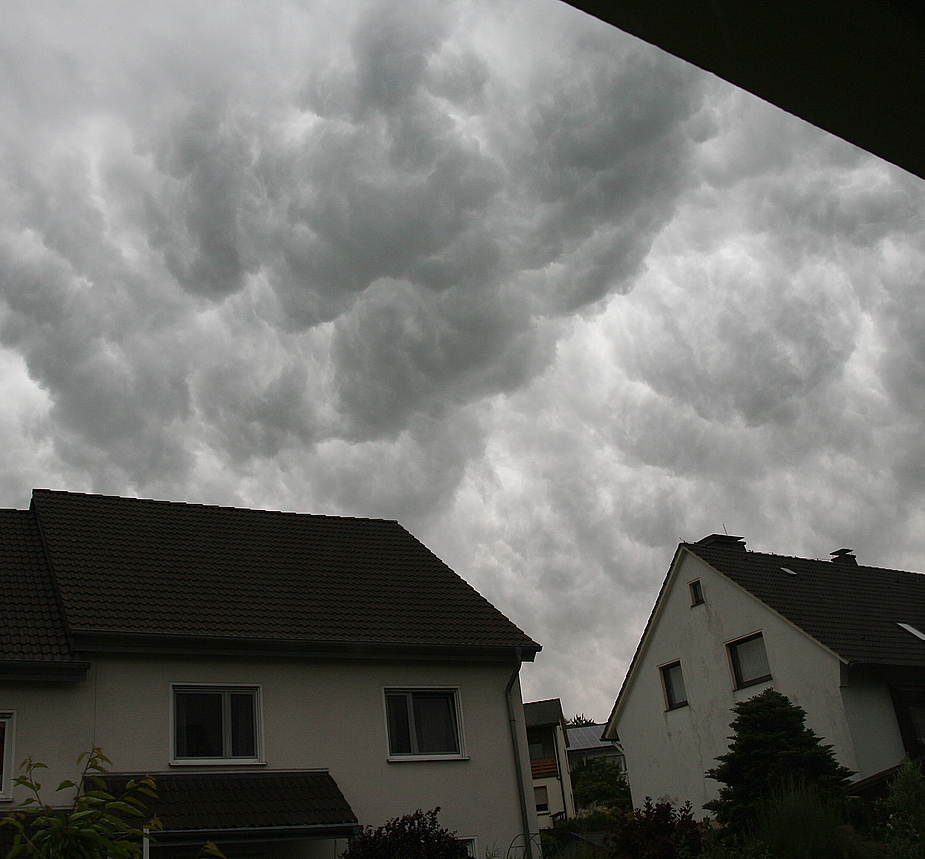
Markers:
point(104, 641)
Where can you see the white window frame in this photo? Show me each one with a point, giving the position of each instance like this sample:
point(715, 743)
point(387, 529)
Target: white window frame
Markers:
point(460, 731)
point(255, 689)
point(8, 717)
point(734, 663)
point(472, 845)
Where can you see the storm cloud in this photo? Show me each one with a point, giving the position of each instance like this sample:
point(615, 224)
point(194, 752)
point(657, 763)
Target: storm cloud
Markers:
point(548, 296)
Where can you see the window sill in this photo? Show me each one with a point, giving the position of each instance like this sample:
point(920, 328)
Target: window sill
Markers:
point(767, 678)
point(216, 762)
point(679, 706)
point(399, 759)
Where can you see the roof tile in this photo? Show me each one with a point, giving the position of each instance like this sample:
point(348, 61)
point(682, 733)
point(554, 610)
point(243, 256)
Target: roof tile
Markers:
point(156, 567)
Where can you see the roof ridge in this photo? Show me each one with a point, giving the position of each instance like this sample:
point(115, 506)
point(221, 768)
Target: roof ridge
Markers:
point(204, 506)
point(829, 561)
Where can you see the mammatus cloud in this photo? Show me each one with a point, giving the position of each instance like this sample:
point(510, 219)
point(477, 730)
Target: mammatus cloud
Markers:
point(549, 297)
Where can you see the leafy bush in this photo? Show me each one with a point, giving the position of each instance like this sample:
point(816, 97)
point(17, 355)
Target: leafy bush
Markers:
point(414, 836)
point(95, 824)
point(797, 822)
point(657, 831)
point(600, 781)
point(771, 748)
point(904, 812)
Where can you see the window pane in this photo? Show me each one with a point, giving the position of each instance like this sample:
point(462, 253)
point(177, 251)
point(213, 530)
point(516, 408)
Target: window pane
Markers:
point(674, 685)
point(399, 725)
point(199, 724)
point(243, 727)
point(2, 748)
point(435, 723)
point(750, 660)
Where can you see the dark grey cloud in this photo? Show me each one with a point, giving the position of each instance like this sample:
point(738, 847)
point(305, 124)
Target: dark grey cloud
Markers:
point(546, 295)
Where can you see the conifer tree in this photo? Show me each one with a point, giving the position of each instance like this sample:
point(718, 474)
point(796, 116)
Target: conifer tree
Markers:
point(771, 750)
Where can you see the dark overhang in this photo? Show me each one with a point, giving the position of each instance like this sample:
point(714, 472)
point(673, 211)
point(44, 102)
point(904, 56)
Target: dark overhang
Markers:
point(101, 641)
point(231, 807)
point(855, 68)
point(40, 671)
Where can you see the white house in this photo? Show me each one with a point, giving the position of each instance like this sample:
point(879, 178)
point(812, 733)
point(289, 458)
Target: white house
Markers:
point(548, 748)
point(286, 678)
point(845, 642)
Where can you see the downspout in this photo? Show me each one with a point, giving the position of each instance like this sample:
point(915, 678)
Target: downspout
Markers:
point(518, 768)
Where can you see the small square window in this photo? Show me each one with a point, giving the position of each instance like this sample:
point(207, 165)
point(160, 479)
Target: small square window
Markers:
point(7, 724)
point(696, 592)
point(673, 682)
point(423, 722)
point(215, 723)
point(749, 661)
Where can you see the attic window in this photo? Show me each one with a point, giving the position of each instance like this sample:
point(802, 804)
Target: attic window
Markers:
point(788, 572)
point(909, 628)
point(696, 592)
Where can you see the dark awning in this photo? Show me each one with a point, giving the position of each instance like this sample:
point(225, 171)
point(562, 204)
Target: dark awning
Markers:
point(238, 806)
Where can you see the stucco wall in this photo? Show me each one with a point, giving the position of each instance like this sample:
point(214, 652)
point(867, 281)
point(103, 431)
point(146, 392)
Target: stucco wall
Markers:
point(668, 751)
point(321, 714)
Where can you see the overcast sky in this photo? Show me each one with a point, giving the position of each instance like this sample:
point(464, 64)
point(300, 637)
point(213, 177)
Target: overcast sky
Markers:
point(549, 297)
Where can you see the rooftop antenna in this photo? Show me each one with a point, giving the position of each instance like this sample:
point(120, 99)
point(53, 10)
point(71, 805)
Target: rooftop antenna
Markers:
point(724, 529)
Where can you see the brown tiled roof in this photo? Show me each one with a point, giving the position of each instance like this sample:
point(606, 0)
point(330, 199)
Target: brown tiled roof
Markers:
point(853, 610)
point(227, 801)
point(161, 568)
point(31, 627)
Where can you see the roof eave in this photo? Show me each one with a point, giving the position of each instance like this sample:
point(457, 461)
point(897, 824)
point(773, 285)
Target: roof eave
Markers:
point(180, 837)
point(48, 671)
point(106, 641)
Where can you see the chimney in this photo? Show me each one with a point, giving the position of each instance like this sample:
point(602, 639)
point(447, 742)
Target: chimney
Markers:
point(722, 541)
point(844, 556)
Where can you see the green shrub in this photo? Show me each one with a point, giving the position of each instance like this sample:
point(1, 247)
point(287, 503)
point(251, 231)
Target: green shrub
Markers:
point(903, 811)
point(658, 830)
point(413, 836)
point(799, 822)
point(771, 748)
point(600, 781)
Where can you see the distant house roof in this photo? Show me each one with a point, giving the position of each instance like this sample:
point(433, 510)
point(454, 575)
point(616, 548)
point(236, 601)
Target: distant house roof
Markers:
point(586, 737)
point(82, 570)
point(853, 610)
point(541, 713)
point(235, 804)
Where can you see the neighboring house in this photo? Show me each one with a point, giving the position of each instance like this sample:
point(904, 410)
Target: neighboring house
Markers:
point(585, 744)
point(548, 748)
point(843, 641)
point(286, 678)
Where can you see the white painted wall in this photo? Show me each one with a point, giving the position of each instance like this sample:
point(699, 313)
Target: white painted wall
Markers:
point(668, 751)
point(325, 714)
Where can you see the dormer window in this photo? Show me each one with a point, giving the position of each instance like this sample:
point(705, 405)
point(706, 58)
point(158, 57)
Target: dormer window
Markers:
point(696, 590)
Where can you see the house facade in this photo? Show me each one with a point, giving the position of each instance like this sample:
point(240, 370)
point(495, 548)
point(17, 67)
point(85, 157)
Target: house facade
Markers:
point(843, 641)
point(548, 748)
point(286, 678)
